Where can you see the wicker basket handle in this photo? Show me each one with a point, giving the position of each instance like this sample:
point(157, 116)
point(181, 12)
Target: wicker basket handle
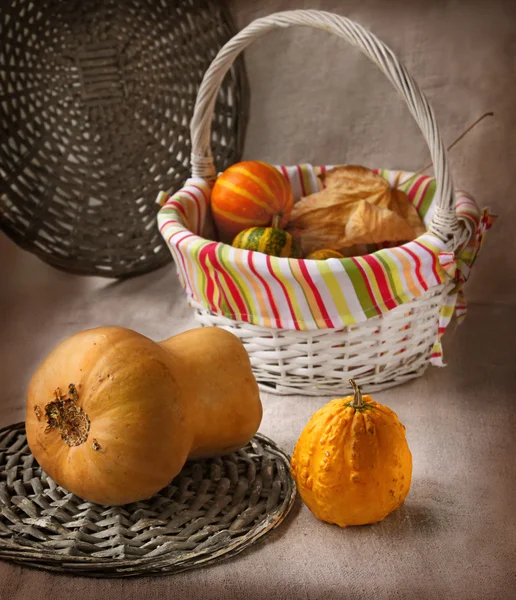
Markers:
point(444, 221)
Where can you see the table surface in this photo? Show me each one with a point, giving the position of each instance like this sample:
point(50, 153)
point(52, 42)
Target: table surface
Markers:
point(456, 534)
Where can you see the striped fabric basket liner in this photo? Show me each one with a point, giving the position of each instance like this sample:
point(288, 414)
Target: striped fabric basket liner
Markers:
point(308, 325)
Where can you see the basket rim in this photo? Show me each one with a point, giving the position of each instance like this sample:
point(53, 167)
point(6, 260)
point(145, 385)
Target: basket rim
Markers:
point(446, 245)
point(307, 294)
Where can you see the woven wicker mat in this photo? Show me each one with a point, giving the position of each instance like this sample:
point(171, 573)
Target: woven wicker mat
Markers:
point(96, 98)
point(212, 510)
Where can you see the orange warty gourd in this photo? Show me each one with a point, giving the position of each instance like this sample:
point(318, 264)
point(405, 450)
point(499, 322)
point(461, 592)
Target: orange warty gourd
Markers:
point(250, 194)
point(112, 416)
point(352, 464)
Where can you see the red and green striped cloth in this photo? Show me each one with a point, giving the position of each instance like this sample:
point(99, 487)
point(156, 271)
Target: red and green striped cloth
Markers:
point(299, 294)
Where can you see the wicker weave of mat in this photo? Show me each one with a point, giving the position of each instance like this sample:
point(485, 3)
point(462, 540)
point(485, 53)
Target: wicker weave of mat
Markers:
point(96, 98)
point(212, 510)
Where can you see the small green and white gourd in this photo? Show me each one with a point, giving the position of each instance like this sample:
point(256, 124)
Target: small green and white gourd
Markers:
point(269, 240)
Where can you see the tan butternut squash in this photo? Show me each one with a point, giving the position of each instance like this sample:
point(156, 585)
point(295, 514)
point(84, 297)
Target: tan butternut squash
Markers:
point(112, 416)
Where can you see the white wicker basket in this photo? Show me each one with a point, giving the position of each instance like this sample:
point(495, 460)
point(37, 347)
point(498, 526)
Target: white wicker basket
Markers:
point(382, 351)
point(379, 353)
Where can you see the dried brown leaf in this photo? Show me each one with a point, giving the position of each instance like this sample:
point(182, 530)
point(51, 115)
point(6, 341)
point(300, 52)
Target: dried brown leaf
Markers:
point(356, 206)
point(370, 224)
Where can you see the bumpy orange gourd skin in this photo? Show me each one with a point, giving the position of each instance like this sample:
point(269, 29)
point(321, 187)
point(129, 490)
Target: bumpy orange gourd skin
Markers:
point(150, 408)
point(351, 466)
point(250, 194)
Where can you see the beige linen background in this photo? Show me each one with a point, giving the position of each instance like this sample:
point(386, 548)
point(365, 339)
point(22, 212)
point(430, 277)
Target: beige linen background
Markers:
point(315, 99)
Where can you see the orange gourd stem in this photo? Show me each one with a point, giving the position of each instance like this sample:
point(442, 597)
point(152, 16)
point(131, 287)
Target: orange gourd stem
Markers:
point(358, 401)
point(276, 220)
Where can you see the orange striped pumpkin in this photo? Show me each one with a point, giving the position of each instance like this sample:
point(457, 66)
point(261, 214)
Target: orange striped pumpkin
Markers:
point(250, 194)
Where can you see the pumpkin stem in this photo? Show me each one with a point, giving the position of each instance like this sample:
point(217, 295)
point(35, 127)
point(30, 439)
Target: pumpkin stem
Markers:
point(358, 401)
point(66, 415)
point(276, 220)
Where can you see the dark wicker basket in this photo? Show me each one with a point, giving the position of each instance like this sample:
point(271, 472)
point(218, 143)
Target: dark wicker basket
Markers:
point(96, 98)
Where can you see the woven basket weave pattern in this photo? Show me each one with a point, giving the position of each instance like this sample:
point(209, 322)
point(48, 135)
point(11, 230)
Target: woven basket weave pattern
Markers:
point(380, 353)
point(96, 101)
point(213, 508)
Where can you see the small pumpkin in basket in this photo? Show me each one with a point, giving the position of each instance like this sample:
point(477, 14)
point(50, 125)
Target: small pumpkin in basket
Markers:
point(324, 254)
point(250, 194)
point(269, 240)
point(352, 464)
